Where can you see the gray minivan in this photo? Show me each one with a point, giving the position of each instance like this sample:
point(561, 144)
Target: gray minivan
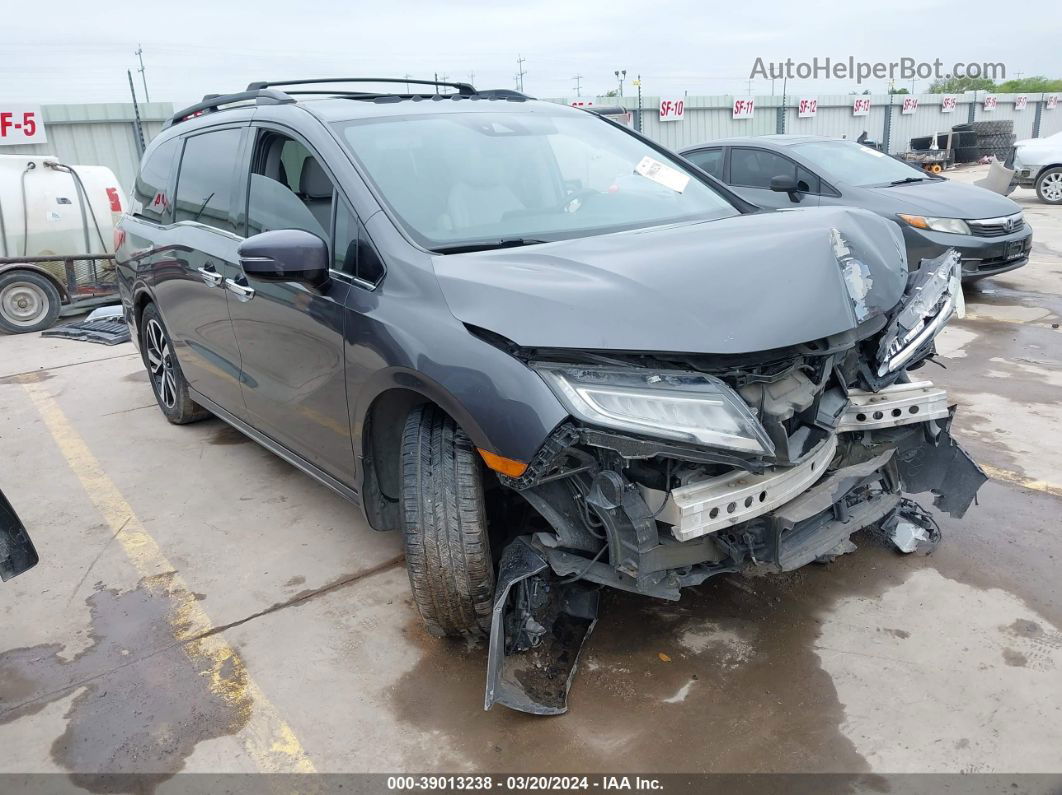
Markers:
point(551, 353)
point(934, 213)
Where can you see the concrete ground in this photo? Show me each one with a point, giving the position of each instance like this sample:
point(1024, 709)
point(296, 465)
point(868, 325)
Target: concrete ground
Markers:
point(200, 605)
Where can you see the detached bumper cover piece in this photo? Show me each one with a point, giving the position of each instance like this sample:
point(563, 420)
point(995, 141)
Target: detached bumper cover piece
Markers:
point(537, 629)
point(17, 553)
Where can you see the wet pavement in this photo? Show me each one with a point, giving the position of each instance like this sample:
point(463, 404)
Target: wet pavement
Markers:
point(243, 618)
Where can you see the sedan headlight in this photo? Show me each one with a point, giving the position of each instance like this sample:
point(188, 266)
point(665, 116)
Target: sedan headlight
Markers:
point(954, 225)
point(932, 298)
point(686, 407)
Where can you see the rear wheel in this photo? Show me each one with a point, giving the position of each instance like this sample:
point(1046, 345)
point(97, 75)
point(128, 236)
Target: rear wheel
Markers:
point(1049, 186)
point(164, 372)
point(28, 302)
point(444, 518)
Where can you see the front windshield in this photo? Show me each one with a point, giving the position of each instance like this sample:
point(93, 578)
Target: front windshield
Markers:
point(855, 164)
point(458, 179)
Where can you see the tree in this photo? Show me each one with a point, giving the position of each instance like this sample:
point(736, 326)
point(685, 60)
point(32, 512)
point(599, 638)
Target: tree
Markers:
point(958, 85)
point(611, 93)
point(1030, 85)
point(899, 91)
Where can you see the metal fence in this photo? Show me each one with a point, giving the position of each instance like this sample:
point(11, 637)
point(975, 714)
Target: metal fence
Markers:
point(98, 135)
point(709, 118)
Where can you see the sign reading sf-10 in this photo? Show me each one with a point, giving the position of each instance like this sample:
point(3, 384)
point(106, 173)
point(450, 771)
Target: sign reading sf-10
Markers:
point(21, 124)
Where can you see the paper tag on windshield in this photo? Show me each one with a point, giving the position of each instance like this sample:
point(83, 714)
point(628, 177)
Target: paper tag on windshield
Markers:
point(663, 175)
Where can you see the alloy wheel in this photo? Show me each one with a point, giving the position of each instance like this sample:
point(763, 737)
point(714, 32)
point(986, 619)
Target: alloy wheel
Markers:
point(161, 364)
point(1051, 187)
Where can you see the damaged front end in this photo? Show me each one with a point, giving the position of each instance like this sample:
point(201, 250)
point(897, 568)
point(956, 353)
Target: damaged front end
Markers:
point(676, 468)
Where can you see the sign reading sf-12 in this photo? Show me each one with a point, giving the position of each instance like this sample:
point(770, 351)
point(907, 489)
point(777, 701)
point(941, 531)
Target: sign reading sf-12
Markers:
point(807, 108)
point(21, 124)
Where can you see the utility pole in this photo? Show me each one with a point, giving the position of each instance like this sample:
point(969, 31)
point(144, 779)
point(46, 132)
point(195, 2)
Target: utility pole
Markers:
point(620, 75)
point(750, 88)
point(137, 126)
point(520, 72)
point(472, 78)
point(577, 79)
point(143, 75)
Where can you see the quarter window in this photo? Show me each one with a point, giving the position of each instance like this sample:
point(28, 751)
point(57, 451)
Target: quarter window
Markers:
point(151, 191)
point(205, 186)
point(354, 252)
point(754, 168)
point(710, 160)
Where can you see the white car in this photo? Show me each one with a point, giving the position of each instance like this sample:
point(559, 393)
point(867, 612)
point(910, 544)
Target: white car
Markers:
point(1038, 164)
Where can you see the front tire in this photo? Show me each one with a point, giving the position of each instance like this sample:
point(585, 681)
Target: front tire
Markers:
point(448, 555)
point(28, 302)
point(1049, 186)
point(164, 372)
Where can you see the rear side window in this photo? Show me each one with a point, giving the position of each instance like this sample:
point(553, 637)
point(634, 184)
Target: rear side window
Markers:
point(151, 192)
point(710, 160)
point(205, 188)
point(754, 168)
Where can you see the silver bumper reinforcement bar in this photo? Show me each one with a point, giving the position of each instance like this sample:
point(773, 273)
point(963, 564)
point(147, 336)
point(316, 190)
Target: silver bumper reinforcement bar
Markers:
point(738, 496)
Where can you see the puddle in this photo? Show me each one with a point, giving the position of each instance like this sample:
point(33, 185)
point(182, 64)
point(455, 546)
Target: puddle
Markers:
point(738, 674)
point(973, 659)
point(143, 702)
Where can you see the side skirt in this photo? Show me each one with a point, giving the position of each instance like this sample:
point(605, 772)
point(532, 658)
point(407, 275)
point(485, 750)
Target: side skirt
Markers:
point(278, 449)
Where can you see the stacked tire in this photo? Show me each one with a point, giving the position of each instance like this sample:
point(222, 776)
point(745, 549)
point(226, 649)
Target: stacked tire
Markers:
point(994, 138)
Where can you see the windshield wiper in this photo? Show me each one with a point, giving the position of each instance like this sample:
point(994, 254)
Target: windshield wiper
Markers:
point(905, 180)
point(488, 245)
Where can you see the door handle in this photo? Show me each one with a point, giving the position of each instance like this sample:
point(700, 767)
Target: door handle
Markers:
point(210, 277)
point(241, 291)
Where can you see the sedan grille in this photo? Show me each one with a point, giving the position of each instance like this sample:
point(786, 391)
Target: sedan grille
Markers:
point(997, 227)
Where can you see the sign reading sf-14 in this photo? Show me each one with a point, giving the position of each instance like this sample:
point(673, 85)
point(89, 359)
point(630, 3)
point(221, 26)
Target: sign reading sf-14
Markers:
point(21, 124)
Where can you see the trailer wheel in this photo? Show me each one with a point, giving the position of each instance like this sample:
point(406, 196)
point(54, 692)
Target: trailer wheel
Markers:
point(448, 556)
point(28, 302)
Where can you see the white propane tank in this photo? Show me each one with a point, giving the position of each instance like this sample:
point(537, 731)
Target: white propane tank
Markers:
point(44, 211)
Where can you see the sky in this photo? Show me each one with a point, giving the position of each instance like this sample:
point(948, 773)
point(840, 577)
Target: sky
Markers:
point(79, 51)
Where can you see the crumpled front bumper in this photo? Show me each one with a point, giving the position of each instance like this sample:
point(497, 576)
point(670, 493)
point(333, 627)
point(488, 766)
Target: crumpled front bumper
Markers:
point(718, 503)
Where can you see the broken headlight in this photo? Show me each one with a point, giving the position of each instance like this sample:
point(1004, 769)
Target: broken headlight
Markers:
point(933, 296)
point(687, 407)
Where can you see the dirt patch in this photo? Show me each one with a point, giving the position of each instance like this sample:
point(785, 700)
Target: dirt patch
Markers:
point(226, 434)
point(137, 377)
point(143, 703)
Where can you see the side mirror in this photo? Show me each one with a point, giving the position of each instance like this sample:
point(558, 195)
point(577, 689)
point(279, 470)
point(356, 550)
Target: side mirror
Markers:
point(285, 255)
point(786, 183)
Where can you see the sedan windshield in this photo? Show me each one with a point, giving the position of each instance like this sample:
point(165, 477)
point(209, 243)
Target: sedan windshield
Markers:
point(855, 164)
point(460, 181)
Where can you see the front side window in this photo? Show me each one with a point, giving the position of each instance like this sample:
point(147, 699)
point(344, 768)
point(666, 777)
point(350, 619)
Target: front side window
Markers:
point(205, 187)
point(289, 189)
point(151, 192)
point(455, 179)
point(754, 168)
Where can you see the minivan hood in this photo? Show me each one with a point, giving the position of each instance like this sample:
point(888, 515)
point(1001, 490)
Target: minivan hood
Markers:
point(737, 285)
point(946, 199)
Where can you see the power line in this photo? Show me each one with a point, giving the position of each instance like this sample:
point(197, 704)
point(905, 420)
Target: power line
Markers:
point(578, 85)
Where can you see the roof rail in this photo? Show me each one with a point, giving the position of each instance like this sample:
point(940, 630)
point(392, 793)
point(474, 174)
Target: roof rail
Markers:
point(211, 102)
point(465, 89)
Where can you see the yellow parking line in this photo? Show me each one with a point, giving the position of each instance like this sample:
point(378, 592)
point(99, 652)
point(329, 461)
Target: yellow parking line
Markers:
point(267, 738)
point(1015, 479)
